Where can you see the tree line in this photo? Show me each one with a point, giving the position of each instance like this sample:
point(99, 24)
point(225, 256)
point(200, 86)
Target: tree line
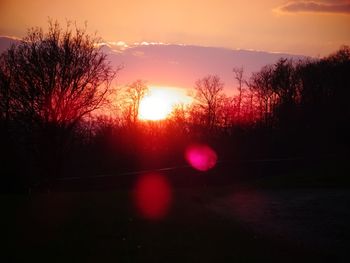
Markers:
point(52, 84)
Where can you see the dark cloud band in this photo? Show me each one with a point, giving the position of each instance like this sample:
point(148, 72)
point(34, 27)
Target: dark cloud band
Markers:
point(339, 7)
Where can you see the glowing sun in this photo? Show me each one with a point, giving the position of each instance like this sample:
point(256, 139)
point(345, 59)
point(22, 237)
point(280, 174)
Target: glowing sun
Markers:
point(160, 102)
point(154, 108)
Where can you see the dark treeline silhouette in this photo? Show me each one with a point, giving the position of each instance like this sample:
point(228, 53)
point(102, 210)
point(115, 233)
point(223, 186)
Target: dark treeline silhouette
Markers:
point(52, 84)
point(304, 103)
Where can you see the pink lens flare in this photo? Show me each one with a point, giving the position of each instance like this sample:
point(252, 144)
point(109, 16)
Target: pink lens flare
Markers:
point(152, 196)
point(201, 157)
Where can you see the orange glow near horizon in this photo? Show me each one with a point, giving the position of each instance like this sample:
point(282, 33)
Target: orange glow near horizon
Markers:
point(160, 102)
point(256, 24)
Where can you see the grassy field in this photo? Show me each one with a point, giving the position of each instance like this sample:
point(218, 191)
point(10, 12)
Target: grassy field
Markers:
point(228, 223)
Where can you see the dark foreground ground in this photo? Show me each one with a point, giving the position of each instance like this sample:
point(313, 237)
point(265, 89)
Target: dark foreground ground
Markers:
point(300, 218)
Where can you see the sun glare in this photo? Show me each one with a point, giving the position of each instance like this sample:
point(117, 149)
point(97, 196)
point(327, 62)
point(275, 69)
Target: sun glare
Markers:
point(160, 102)
point(154, 108)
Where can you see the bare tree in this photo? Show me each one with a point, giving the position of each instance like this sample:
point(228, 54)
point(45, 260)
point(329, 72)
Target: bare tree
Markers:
point(261, 84)
point(57, 78)
point(238, 75)
point(134, 94)
point(209, 91)
point(287, 87)
point(226, 112)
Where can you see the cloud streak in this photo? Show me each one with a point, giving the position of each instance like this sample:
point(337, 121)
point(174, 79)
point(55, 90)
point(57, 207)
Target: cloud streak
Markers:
point(325, 6)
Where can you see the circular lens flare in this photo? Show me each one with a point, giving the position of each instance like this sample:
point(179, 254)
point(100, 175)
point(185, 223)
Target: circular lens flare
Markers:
point(201, 157)
point(152, 196)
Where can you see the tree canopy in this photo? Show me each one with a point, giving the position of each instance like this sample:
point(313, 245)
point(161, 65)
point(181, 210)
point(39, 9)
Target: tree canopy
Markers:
point(55, 77)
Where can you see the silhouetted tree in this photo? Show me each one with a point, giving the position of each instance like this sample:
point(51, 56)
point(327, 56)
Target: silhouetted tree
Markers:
point(56, 79)
point(134, 94)
point(227, 114)
point(238, 75)
point(324, 98)
point(209, 91)
point(260, 84)
point(286, 86)
point(179, 118)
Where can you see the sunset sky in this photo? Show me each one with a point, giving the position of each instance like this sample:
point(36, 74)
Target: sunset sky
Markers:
point(300, 27)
